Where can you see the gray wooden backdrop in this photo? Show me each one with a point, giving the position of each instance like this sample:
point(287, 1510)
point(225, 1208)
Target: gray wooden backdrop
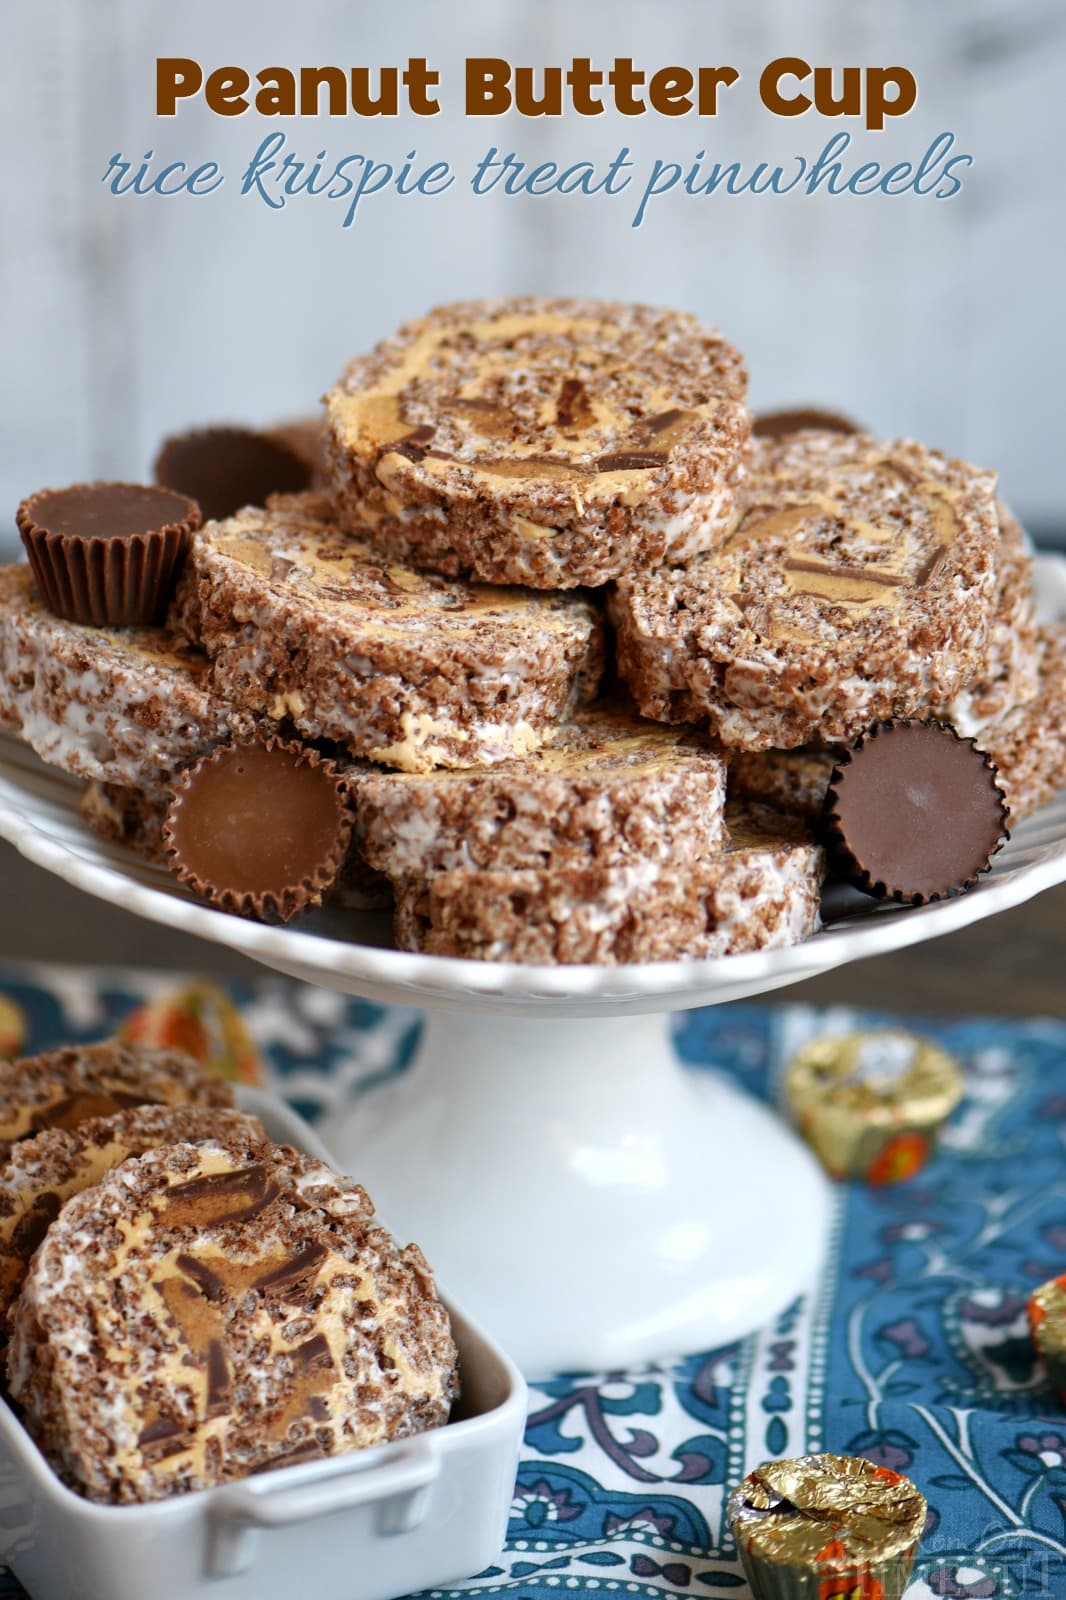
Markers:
point(125, 318)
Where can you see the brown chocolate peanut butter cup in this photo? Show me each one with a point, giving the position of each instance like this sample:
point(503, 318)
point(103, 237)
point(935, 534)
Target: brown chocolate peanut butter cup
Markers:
point(801, 419)
point(259, 829)
point(226, 468)
point(914, 812)
point(107, 554)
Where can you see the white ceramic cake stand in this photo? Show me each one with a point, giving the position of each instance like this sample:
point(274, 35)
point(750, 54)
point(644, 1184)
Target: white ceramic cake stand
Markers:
point(589, 1199)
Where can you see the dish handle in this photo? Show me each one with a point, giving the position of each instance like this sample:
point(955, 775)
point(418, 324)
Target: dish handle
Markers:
point(398, 1487)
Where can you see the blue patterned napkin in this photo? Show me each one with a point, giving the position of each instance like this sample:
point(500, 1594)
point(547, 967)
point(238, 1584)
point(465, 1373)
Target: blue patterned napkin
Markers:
point(913, 1352)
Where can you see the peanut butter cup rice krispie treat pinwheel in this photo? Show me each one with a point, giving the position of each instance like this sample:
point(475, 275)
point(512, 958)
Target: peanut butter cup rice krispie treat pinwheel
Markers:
point(65, 1087)
point(762, 891)
point(1027, 745)
point(42, 1173)
point(1009, 671)
point(306, 623)
point(606, 788)
point(125, 706)
point(552, 443)
point(243, 1311)
point(858, 582)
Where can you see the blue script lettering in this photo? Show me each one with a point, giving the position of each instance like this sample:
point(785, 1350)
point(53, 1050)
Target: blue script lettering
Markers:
point(174, 178)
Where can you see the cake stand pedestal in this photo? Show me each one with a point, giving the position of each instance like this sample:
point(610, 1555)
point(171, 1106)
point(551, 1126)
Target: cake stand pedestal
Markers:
point(593, 1201)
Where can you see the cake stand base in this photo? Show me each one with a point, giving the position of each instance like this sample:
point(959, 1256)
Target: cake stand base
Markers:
point(593, 1201)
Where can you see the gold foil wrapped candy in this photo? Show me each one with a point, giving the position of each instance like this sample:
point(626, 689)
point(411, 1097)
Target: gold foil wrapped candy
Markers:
point(827, 1527)
point(869, 1104)
point(1047, 1323)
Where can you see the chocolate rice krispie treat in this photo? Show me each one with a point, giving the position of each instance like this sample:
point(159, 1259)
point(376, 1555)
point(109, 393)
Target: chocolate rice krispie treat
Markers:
point(1009, 672)
point(606, 788)
point(796, 780)
point(42, 1173)
point(65, 1087)
point(306, 623)
point(130, 817)
point(859, 583)
point(792, 781)
point(243, 1311)
point(1028, 745)
point(125, 706)
point(545, 442)
point(762, 892)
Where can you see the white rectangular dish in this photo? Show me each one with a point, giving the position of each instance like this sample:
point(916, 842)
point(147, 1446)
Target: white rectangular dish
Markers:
point(418, 1514)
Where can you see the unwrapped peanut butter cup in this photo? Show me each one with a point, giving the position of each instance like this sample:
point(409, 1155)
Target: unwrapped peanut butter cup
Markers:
point(259, 829)
point(914, 812)
point(225, 468)
point(107, 554)
point(800, 419)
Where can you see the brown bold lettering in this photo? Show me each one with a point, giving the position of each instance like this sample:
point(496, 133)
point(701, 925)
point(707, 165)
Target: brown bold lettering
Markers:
point(487, 92)
point(670, 91)
point(226, 90)
point(710, 80)
point(176, 78)
point(878, 107)
point(770, 86)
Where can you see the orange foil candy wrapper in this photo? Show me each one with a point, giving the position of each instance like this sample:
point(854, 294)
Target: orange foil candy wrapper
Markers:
point(870, 1104)
point(203, 1022)
point(827, 1527)
point(13, 1028)
point(1047, 1323)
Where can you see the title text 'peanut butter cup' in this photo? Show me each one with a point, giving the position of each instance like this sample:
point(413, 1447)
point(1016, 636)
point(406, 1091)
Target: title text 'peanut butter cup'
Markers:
point(107, 554)
point(259, 829)
point(914, 812)
point(226, 468)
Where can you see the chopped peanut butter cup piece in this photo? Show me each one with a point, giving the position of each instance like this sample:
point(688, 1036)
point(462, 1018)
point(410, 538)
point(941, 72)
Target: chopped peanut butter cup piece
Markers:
point(225, 468)
point(914, 812)
point(259, 829)
point(108, 554)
